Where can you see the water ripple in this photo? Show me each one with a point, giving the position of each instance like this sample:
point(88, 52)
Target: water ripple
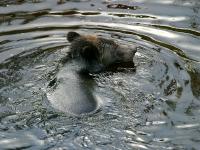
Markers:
point(152, 106)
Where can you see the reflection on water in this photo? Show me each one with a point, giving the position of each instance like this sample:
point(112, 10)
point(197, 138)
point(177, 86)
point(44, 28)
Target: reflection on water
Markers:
point(156, 106)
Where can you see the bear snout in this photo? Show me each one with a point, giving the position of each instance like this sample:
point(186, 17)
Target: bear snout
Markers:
point(126, 53)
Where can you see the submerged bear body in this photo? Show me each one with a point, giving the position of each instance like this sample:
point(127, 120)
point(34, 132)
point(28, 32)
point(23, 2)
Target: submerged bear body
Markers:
point(74, 92)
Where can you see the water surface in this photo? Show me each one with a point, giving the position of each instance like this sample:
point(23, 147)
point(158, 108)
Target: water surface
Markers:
point(157, 106)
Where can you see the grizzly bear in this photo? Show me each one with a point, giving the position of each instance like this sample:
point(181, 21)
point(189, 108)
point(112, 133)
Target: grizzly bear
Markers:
point(72, 90)
point(98, 53)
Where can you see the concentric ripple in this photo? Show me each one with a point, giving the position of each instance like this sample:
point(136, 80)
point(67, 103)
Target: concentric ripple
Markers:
point(152, 106)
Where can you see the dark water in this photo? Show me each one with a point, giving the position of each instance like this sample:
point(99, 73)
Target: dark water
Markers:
point(157, 106)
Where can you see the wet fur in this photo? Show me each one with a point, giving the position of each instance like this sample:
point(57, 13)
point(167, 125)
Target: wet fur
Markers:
point(98, 53)
point(73, 90)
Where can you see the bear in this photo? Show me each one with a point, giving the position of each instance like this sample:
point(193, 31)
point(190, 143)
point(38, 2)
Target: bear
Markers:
point(74, 91)
point(97, 53)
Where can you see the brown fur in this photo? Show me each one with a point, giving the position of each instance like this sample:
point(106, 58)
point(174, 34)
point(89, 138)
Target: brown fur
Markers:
point(91, 38)
point(97, 52)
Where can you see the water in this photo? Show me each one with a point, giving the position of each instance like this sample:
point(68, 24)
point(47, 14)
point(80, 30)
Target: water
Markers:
point(157, 106)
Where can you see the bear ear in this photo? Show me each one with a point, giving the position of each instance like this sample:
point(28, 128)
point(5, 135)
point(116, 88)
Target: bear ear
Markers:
point(72, 35)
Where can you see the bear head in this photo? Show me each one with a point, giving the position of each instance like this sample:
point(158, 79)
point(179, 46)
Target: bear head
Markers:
point(97, 53)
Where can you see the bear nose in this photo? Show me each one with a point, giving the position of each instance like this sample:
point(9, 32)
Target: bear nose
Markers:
point(133, 49)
